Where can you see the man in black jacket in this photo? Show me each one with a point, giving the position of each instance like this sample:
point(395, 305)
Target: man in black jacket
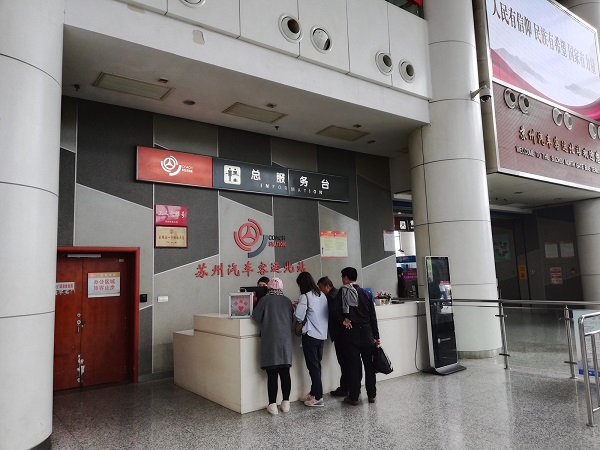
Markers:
point(335, 329)
point(355, 310)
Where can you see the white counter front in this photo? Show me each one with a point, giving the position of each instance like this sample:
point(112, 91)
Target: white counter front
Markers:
point(220, 358)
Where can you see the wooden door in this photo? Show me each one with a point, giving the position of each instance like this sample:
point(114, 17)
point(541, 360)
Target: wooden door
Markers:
point(67, 343)
point(97, 346)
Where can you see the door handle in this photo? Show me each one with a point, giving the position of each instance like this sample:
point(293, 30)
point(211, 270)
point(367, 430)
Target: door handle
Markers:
point(79, 325)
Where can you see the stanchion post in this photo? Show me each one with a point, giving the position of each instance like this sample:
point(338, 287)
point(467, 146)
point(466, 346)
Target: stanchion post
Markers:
point(503, 333)
point(570, 362)
point(586, 373)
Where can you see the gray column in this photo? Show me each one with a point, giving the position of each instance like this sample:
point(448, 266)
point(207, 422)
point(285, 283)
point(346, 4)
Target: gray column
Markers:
point(30, 89)
point(448, 177)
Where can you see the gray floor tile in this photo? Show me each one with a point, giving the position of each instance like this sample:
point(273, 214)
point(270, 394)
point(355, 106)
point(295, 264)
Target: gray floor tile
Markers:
point(532, 406)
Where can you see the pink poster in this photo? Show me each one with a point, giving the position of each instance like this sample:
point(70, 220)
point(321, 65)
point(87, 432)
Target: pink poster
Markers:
point(169, 215)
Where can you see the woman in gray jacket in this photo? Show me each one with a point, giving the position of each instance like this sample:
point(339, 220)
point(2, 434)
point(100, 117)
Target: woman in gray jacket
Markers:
point(274, 314)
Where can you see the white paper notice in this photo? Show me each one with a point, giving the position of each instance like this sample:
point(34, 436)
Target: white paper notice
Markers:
point(551, 249)
point(567, 250)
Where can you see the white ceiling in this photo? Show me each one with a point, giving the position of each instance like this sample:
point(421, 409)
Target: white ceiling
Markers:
point(214, 89)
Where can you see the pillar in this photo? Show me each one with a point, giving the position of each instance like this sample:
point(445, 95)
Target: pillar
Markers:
point(30, 89)
point(448, 177)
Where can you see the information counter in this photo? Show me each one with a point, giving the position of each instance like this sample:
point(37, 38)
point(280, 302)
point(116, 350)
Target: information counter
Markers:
point(220, 358)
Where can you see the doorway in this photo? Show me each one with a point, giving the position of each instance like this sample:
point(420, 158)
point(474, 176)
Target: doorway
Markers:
point(96, 316)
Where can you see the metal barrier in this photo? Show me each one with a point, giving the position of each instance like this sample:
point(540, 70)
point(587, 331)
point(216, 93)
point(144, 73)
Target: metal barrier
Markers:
point(568, 324)
point(586, 371)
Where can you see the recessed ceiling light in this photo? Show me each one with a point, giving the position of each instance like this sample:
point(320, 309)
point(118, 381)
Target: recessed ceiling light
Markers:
point(131, 86)
point(345, 134)
point(517, 193)
point(254, 113)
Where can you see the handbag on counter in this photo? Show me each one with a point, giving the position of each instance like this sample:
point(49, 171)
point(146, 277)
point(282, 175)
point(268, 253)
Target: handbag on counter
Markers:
point(381, 362)
point(299, 325)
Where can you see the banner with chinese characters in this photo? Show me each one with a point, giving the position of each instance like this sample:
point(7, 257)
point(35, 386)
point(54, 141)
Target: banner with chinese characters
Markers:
point(334, 244)
point(540, 47)
point(104, 284)
point(248, 269)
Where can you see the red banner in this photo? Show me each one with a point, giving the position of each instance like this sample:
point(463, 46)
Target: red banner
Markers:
point(166, 166)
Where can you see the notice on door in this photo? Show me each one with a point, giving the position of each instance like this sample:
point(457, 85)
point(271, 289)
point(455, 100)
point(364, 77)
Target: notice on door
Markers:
point(104, 284)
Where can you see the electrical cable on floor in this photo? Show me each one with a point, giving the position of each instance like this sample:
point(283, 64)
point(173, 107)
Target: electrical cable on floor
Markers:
point(417, 344)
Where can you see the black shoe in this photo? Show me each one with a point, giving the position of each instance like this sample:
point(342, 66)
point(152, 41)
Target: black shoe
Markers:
point(349, 401)
point(339, 393)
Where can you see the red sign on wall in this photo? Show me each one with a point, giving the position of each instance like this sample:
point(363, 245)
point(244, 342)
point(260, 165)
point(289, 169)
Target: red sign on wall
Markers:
point(169, 215)
point(166, 166)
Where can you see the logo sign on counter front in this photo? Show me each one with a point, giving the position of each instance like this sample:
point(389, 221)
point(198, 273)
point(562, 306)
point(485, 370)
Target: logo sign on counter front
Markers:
point(166, 166)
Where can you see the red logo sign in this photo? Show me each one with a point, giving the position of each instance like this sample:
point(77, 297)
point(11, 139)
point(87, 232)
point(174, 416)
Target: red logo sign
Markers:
point(248, 235)
point(174, 167)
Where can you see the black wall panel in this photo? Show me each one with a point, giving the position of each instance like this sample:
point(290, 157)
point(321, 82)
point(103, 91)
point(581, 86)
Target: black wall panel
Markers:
point(376, 215)
point(203, 225)
point(106, 152)
point(145, 341)
point(298, 220)
point(66, 198)
point(340, 162)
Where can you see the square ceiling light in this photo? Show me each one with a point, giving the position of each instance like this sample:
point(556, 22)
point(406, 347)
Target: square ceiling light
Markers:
point(345, 134)
point(131, 86)
point(253, 113)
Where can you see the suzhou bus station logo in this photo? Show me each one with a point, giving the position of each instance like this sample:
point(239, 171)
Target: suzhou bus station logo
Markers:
point(250, 238)
point(172, 166)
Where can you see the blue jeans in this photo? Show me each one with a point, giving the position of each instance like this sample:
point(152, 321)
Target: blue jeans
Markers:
point(313, 354)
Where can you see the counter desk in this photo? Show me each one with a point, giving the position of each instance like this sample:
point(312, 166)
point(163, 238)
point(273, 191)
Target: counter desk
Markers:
point(220, 358)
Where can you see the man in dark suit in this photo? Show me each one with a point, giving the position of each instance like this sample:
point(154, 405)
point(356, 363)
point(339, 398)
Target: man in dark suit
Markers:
point(335, 328)
point(356, 312)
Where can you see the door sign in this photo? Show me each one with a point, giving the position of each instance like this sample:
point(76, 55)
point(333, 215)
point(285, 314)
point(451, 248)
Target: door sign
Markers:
point(104, 284)
point(65, 288)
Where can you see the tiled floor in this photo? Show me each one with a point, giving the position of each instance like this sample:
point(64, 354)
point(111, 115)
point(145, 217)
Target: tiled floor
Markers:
point(533, 406)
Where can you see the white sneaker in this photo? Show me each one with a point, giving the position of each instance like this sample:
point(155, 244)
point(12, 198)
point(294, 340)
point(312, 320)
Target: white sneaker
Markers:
point(272, 409)
point(314, 402)
point(285, 406)
point(306, 398)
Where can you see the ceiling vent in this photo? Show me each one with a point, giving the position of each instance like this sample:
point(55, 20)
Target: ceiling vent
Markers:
point(253, 113)
point(345, 134)
point(133, 87)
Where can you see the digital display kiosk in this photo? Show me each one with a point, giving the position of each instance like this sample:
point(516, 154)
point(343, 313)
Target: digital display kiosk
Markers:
point(443, 356)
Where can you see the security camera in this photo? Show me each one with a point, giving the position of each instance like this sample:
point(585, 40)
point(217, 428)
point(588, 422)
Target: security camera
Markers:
point(484, 92)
